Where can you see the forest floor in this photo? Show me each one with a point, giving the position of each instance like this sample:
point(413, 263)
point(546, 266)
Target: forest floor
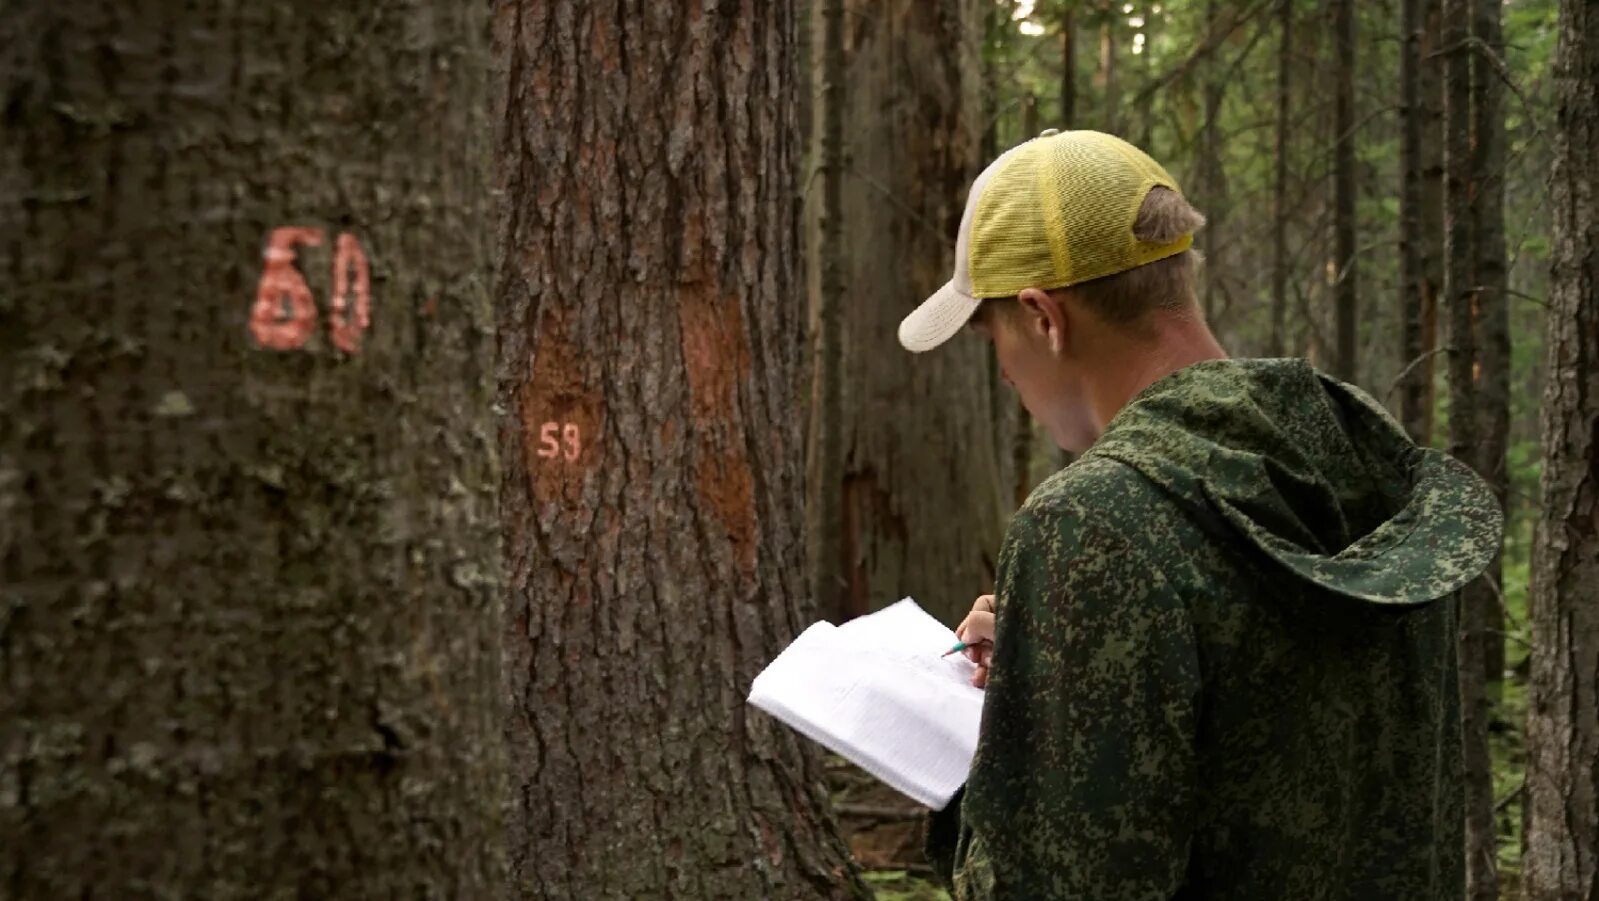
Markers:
point(884, 830)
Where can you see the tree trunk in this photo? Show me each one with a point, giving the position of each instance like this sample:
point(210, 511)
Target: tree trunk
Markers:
point(1464, 440)
point(648, 317)
point(1563, 722)
point(1412, 280)
point(248, 577)
point(1490, 302)
point(1344, 364)
point(1279, 240)
point(1106, 79)
point(917, 428)
point(825, 521)
point(1068, 69)
point(1431, 242)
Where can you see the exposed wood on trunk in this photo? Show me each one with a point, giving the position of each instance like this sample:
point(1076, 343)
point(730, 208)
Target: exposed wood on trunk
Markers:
point(648, 294)
point(248, 574)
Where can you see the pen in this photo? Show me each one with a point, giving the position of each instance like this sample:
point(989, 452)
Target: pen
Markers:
point(961, 646)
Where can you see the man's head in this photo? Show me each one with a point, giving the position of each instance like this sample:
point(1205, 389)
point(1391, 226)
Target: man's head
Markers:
point(1074, 259)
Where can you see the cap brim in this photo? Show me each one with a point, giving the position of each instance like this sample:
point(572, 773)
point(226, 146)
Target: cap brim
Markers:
point(937, 319)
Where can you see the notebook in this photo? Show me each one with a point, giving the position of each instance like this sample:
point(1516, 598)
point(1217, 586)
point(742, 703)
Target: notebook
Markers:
point(876, 691)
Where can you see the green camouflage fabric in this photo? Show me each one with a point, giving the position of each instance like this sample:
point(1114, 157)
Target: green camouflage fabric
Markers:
point(1222, 668)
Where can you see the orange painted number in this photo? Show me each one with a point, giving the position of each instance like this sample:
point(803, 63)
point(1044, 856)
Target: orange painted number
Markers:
point(560, 439)
point(347, 326)
point(284, 315)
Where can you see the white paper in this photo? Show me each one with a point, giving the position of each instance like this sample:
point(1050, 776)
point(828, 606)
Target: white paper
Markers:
point(877, 691)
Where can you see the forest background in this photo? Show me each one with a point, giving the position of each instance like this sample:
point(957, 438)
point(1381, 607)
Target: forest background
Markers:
point(420, 423)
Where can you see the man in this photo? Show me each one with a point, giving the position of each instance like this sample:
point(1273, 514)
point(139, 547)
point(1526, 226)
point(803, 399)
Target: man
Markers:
point(1223, 640)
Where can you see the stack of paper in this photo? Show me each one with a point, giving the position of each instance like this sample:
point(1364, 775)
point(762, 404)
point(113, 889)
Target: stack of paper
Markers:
point(877, 691)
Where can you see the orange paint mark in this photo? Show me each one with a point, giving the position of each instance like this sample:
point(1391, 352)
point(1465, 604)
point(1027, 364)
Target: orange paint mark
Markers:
point(560, 413)
point(272, 325)
point(346, 328)
point(560, 439)
point(716, 357)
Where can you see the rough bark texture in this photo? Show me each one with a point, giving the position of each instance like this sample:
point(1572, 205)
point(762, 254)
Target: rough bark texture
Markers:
point(648, 300)
point(1489, 300)
point(925, 496)
point(1562, 859)
point(1431, 238)
point(1106, 78)
point(248, 596)
point(1476, 597)
point(1413, 394)
point(1344, 190)
point(824, 511)
point(1279, 238)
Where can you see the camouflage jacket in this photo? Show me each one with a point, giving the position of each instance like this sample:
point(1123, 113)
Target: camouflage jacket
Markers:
point(1221, 666)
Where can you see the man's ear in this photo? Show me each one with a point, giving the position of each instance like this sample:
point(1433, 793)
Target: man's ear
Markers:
point(1045, 316)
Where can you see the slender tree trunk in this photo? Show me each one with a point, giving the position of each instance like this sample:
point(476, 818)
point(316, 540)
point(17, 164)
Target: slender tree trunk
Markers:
point(248, 578)
point(1464, 440)
point(1106, 79)
point(918, 428)
point(828, 585)
point(1431, 242)
point(1279, 239)
point(647, 315)
point(1344, 364)
point(1412, 279)
point(1562, 860)
point(1068, 69)
point(1492, 311)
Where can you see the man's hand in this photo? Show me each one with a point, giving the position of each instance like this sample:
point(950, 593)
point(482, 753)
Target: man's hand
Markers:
point(977, 630)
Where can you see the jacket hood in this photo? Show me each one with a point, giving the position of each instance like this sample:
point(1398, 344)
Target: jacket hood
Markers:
point(1315, 474)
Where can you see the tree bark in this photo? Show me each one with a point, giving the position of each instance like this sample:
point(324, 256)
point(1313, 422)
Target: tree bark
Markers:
point(648, 307)
point(1412, 278)
point(828, 585)
point(1279, 239)
point(1431, 242)
point(918, 428)
point(1562, 859)
point(1068, 68)
point(1107, 78)
point(248, 577)
point(1490, 302)
point(1345, 290)
point(1464, 440)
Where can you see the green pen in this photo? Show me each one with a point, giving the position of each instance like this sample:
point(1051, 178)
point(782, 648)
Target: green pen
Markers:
point(961, 646)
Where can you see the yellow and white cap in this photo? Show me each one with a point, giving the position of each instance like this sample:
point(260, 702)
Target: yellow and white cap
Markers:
point(1054, 211)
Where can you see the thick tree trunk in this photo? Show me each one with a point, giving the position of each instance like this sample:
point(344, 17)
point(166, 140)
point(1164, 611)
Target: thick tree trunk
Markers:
point(925, 495)
point(649, 319)
point(1413, 395)
point(1464, 440)
point(248, 577)
point(1347, 330)
point(1279, 239)
point(1562, 860)
point(1490, 303)
point(825, 508)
